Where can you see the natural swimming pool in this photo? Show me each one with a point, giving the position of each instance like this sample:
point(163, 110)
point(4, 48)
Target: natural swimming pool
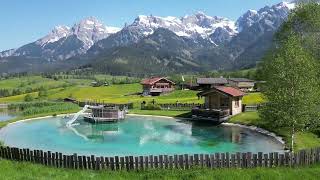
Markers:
point(136, 135)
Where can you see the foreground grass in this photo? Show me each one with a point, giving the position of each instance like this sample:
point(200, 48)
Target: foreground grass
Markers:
point(15, 170)
point(303, 140)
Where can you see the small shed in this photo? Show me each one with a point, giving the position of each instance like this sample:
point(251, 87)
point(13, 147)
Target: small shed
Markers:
point(223, 98)
point(156, 86)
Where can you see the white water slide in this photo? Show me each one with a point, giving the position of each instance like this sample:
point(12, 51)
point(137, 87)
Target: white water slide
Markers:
point(75, 117)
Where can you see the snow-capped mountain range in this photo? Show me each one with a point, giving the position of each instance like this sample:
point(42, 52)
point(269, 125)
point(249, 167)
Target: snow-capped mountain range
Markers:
point(91, 36)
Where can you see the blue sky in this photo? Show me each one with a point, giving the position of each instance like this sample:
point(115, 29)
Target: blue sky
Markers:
point(24, 21)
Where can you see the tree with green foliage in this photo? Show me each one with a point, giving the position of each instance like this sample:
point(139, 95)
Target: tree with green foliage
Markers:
point(292, 87)
point(28, 98)
point(43, 92)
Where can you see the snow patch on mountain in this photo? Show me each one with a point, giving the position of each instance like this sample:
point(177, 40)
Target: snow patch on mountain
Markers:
point(7, 53)
point(57, 33)
point(267, 15)
point(88, 30)
point(190, 26)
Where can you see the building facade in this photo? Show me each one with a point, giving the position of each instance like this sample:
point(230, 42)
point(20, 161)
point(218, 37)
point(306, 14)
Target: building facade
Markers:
point(156, 86)
point(245, 85)
point(223, 98)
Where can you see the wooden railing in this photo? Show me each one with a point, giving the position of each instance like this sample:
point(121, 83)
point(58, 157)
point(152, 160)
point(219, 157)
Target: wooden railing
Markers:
point(3, 106)
point(120, 105)
point(176, 106)
point(210, 113)
point(185, 161)
point(180, 106)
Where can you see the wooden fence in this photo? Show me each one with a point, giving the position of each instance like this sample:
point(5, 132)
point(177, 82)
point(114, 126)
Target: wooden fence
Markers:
point(217, 160)
point(250, 108)
point(3, 106)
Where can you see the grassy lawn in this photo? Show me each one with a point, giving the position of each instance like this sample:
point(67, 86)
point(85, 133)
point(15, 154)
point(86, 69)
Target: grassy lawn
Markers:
point(303, 140)
point(253, 98)
point(112, 94)
point(15, 170)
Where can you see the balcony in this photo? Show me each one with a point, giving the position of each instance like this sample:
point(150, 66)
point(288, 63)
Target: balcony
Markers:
point(216, 115)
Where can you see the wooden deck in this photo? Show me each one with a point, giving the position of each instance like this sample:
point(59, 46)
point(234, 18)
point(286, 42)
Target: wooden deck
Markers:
point(214, 115)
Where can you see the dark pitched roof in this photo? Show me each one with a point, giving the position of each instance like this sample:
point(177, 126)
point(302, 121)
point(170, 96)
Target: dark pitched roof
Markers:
point(212, 81)
point(153, 80)
point(230, 91)
point(240, 80)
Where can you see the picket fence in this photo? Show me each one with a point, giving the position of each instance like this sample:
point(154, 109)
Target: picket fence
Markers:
point(185, 161)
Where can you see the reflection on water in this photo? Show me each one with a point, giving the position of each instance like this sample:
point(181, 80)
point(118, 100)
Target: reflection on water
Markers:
point(96, 132)
point(6, 115)
point(136, 136)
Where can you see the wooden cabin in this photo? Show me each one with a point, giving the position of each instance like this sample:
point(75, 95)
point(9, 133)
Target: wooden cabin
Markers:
point(156, 86)
point(228, 99)
point(245, 85)
point(208, 83)
point(100, 114)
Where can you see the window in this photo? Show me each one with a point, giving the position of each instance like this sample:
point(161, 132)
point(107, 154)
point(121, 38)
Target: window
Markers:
point(237, 102)
point(224, 102)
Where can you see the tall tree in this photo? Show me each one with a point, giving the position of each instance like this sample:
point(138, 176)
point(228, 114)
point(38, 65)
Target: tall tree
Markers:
point(292, 87)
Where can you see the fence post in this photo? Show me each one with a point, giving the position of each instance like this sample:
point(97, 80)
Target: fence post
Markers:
point(239, 160)
point(255, 160)
point(146, 162)
point(233, 160)
point(122, 166)
point(265, 159)
point(141, 166)
point(127, 163)
point(117, 163)
point(176, 161)
point(276, 159)
point(217, 157)
point(212, 161)
point(170, 162)
point(166, 162)
point(270, 159)
point(151, 161)
point(206, 158)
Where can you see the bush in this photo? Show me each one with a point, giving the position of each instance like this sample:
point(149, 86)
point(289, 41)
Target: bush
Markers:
point(28, 98)
point(151, 106)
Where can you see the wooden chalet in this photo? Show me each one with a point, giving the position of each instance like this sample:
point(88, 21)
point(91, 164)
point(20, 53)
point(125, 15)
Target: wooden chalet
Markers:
point(245, 85)
point(156, 86)
point(208, 83)
point(220, 103)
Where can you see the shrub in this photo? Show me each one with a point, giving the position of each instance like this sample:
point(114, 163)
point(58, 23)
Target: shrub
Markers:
point(28, 98)
point(151, 106)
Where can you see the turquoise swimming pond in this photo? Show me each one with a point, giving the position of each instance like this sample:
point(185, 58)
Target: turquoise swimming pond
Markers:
point(135, 136)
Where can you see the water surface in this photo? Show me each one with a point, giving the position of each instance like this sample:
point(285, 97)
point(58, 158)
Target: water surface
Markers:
point(135, 136)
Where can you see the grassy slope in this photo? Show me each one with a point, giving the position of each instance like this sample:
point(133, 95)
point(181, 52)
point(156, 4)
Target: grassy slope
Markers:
point(30, 82)
point(112, 94)
point(303, 140)
point(14, 170)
